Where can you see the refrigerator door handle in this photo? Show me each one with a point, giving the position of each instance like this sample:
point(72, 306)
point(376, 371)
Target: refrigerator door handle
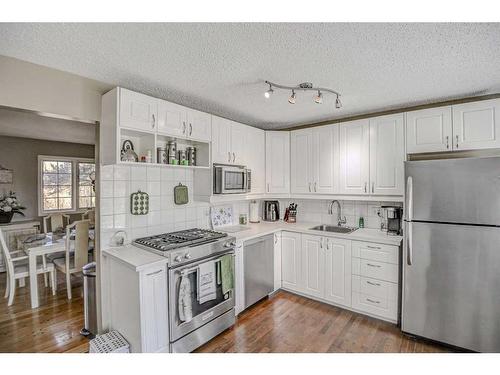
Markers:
point(409, 198)
point(409, 240)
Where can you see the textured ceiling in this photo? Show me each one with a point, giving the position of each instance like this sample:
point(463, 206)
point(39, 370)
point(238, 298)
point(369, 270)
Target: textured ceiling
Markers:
point(220, 68)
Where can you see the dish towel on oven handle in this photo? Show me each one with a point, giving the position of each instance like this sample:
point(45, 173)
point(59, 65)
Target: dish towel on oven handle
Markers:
point(206, 282)
point(184, 303)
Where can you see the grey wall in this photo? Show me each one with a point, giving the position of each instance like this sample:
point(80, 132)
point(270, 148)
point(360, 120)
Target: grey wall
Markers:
point(21, 155)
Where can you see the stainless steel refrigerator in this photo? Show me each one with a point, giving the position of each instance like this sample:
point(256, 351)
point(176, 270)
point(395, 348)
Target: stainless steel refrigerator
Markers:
point(451, 272)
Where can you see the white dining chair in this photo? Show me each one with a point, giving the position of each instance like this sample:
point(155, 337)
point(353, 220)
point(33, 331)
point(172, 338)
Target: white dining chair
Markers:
point(56, 220)
point(17, 268)
point(74, 260)
point(90, 216)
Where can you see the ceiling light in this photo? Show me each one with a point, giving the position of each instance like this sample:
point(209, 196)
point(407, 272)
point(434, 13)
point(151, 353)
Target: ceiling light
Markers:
point(338, 104)
point(269, 92)
point(292, 98)
point(318, 99)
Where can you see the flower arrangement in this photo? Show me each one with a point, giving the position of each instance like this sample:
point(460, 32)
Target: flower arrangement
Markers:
point(9, 205)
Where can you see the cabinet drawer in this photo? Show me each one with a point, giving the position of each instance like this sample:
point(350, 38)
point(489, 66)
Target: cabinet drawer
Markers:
point(376, 288)
point(375, 270)
point(371, 305)
point(375, 251)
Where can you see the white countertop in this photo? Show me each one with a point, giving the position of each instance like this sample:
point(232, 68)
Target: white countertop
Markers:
point(134, 257)
point(362, 234)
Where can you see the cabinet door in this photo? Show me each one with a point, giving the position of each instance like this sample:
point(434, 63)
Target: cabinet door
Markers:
point(324, 165)
point(238, 143)
point(476, 125)
point(301, 161)
point(154, 316)
point(138, 111)
point(221, 140)
point(277, 261)
point(354, 157)
point(387, 155)
point(429, 130)
point(291, 261)
point(256, 158)
point(199, 125)
point(338, 271)
point(313, 265)
point(172, 119)
point(277, 162)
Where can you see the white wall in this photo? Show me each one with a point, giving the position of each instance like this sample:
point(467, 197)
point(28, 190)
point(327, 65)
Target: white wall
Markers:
point(38, 88)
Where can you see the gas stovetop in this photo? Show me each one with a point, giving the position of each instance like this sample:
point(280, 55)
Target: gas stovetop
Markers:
point(183, 238)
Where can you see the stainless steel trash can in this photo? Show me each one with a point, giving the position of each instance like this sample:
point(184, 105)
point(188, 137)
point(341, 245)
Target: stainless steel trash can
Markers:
point(89, 300)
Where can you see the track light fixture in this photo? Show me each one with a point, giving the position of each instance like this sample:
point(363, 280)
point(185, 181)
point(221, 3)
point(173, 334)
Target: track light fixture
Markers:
point(318, 99)
point(269, 92)
point(305, 86)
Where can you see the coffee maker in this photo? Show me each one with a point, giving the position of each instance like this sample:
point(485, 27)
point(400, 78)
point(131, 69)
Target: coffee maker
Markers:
point(271, 211)
point(391, 220)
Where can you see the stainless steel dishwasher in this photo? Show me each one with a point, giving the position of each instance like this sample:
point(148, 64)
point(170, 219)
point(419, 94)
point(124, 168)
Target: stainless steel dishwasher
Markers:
point(258, 255)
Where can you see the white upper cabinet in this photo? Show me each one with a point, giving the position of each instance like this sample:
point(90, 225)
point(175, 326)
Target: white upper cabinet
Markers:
point(314, 160)
point(138, 111)
point(429, 130)
point(221, 140)
point(172, 119)
point(198, 125)
point(387, 155)
point(301, 155)
point(325, 147)
point(476, 125)
point(354, 157)
point(313, 265)
point(239, 143)
point(291, 261)
point(277, 162)
point(338, 271)
point(256, 158)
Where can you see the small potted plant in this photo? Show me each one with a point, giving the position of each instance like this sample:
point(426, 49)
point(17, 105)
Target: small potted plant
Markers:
point(9, 206)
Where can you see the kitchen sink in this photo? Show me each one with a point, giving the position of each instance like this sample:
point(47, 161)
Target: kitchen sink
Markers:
point(333, 229)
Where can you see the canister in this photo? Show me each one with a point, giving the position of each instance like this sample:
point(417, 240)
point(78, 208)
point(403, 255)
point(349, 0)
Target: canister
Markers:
point(191, 155)
point(182, 157)
point(161, 155)
point(172, 152)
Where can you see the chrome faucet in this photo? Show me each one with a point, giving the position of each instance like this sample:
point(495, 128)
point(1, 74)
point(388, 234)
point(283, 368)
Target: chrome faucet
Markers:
point(340, 220)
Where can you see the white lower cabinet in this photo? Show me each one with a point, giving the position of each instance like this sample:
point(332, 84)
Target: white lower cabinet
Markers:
point(313, 265)
point(359, 275)
point(338, 271)
point(290, 261)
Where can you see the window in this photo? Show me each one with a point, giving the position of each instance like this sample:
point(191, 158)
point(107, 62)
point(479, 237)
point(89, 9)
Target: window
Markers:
point(65, 184)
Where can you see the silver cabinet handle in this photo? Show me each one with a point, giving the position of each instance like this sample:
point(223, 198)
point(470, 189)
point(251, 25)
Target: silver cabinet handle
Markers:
point(327, 244)
point(371, 283)
point(234, 157)
point(309, 187)
point(183, 127)
point(268, 187)
point(229, 157)
point(447, 142)
point(315, 187)
point(321, 243)
point(372, 300)
point(275, 239)
point(154, 273)
point(457, 139)
point(154, 121)
point(190, 129)
point(373, 187)
point(373, 247)
point(365, 187)
point(373, 265)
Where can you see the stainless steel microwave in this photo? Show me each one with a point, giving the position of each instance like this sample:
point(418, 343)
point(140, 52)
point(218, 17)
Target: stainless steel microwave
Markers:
point(232, 179)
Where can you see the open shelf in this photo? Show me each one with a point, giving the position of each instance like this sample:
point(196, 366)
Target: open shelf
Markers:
point(202, 150)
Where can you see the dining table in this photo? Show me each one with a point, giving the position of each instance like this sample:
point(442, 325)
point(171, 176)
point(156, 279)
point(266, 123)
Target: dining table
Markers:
point(50, 246)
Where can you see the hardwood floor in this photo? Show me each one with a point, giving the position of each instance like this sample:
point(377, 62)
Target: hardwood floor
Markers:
point(52, 327)
point(288, 323)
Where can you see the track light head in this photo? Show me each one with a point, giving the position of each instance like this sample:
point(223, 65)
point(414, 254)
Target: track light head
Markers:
point(292, 98)
point(318, 99)
point(269, 92)
point(338, 103)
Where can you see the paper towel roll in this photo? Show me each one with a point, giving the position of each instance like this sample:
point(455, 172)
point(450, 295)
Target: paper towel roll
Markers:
point(254, 212)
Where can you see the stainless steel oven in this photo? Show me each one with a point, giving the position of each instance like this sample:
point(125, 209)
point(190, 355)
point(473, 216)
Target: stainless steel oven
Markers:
point(207, 319)
point(231, 179)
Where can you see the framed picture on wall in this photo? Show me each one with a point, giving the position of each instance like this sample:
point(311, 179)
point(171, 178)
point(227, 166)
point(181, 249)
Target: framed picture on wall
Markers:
point(6, 175)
